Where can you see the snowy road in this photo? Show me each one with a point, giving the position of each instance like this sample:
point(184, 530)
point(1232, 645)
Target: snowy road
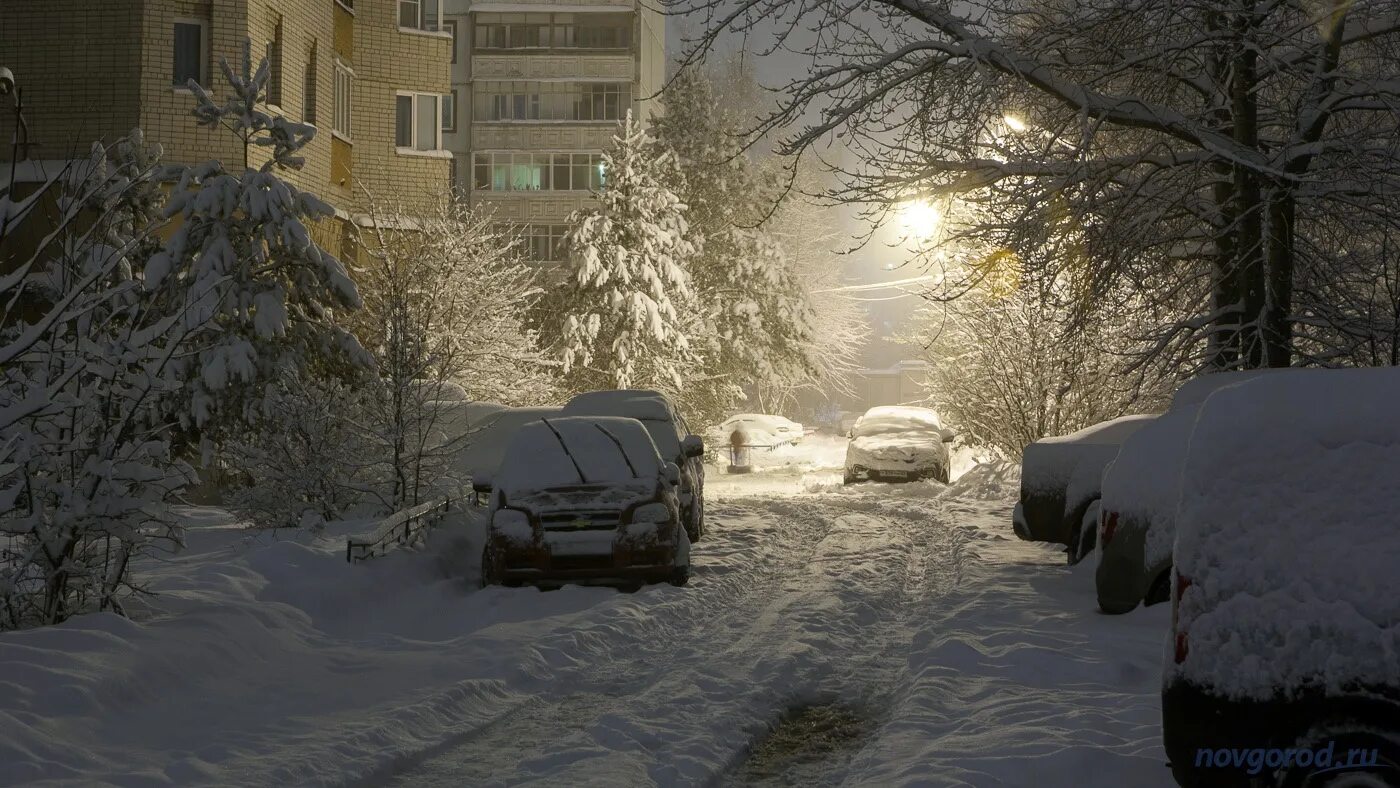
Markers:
point(865, 635)
point(794, 602)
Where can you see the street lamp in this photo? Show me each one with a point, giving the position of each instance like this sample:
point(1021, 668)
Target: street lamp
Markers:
point(920, 218)
point(1014, 123)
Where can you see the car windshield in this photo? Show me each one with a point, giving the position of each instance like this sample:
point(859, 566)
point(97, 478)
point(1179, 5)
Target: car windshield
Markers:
point(564, 452)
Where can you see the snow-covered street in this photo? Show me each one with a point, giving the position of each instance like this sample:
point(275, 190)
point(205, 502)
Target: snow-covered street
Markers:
point(948, 652)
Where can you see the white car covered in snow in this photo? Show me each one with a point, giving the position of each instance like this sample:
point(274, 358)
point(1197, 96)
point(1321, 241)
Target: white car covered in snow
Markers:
point(478, 453)
point(585, 498)
point(1285, 617)
point(760, 429)
point(898, 443)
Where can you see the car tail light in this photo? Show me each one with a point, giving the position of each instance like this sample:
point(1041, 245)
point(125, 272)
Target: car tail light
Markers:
point(1182, 643)
point(1110, 526)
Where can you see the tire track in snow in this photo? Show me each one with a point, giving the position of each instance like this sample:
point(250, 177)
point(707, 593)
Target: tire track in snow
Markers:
point(824, 615)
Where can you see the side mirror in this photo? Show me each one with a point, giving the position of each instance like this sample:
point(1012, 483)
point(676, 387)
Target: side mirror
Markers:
point(948, 435)
point(693, 446)
point(673, 473)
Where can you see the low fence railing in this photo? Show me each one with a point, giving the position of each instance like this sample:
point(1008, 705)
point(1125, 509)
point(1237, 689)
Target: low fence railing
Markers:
point(398, 529)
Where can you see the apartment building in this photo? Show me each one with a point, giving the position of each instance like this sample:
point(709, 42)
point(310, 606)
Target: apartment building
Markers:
point(373, 76)
point(538, 88)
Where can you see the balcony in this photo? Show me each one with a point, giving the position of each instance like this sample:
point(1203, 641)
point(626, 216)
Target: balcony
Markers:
point(554, 66)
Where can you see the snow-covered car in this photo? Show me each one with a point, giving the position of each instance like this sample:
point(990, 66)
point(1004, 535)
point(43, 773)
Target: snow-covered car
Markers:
point(1137, 518)
point(1285, 621)
point(761, 429)
point(898, 443)
point(585, 499)
point(668, 431)
point(1060, 479)
point(483, 447)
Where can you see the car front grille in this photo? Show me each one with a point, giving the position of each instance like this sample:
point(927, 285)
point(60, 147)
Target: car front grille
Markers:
point(581, 521)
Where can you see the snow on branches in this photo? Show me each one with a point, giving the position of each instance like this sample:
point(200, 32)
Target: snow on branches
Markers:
point(630, 301)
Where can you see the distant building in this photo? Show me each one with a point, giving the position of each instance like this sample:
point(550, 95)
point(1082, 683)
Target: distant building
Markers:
point(538, 89)
point(374, 79)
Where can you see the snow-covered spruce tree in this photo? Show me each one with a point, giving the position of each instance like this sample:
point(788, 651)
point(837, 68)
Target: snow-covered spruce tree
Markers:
point(759, 331)
point(86, 375)
point(628, 309)
point(258, 292)
point(446, 297)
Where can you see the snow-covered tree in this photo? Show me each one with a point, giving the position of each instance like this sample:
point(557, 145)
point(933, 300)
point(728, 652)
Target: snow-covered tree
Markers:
point(759, 331)
point(87, 354)
point(1219, 143)
point(259, 293)
point(446, 298)
point(628, 306)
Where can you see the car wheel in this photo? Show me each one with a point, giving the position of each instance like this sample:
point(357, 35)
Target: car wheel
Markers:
point(1161, 589)
point(679, 576)
point(1378, 745)
point(1084, 536)
point(695, 520)
point(848, 478)
point(492, 567)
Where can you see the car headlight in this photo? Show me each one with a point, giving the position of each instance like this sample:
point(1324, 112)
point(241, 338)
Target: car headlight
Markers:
point(651, 513)
point(513, 524)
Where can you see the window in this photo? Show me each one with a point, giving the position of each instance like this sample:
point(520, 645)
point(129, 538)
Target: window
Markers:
point(553, 31)
point(420, 14)
point(189, 55)
point(308, 87)
point(530, 101)
point(450, 26)
point(449, 112)
point(274, 66)
point(344, 98)
point(418, 121)
point(515, 172)
point(546, 243)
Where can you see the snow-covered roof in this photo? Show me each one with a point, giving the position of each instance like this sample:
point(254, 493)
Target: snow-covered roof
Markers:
point(567, 451)
point(1287, 527)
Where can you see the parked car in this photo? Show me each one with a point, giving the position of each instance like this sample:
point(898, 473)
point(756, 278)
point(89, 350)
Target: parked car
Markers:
point(1060, 479)
point(898, 443)
point(1140, 488)
point(668, 431)
point(483, 446)
point(585, 499)
point(1285, 620)
point(762, 429)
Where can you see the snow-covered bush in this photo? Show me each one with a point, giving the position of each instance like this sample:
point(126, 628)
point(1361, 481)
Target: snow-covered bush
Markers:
point(628, 306)
point(445, 304)
point(87, 357)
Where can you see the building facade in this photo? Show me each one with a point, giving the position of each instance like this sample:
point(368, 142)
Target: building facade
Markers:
point(372, 76)
point(538, 89)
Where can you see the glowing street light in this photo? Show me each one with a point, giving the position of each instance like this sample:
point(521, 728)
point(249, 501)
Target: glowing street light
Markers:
point(920, 218)
point(1014, 123)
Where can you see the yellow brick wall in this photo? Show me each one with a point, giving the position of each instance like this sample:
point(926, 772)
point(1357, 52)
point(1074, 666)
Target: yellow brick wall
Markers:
point(77, 63)
point(387, 60)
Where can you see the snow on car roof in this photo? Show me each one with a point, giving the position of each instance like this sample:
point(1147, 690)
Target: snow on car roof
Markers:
point(486, 441)
point(891, 416)
point(628, 403)
point(1287, 527)
point(565, 451)
point(1106, 433)
point(1195, 391)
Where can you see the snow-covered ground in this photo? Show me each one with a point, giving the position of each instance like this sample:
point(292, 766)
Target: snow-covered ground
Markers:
point(948, 652)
